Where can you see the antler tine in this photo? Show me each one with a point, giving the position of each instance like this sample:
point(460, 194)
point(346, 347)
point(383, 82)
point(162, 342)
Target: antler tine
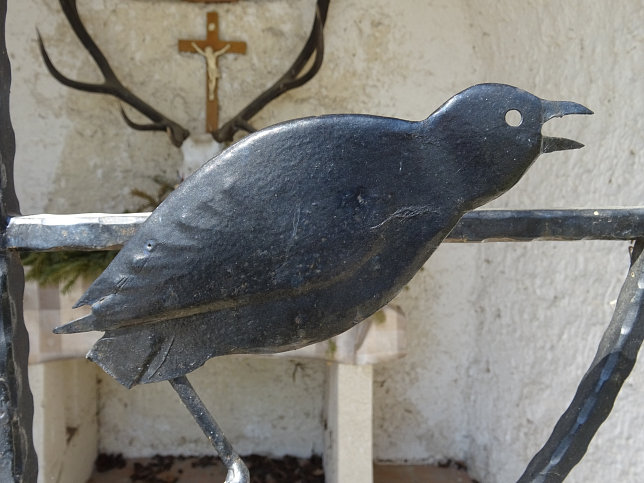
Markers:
point(71, 12)
point(111, 84)
point(290, 80)
point(155, 126)
point(314, 44)
point(66, 81)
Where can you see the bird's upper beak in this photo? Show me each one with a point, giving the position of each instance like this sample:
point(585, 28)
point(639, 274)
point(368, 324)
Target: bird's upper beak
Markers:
point(550, 109)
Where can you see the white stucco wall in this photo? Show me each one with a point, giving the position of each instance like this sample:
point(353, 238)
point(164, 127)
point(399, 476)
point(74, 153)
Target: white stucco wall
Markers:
point(499, 334)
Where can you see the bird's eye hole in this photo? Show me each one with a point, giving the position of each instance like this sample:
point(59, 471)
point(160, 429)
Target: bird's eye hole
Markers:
point(513, 118)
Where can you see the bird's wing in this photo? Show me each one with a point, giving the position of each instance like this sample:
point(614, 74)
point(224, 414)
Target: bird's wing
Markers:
point(292, 208)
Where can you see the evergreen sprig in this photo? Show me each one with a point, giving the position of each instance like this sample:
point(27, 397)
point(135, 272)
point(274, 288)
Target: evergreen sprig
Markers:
point(64, 268)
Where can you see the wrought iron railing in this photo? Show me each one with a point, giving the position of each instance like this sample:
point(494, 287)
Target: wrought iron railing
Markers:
point(591, 405)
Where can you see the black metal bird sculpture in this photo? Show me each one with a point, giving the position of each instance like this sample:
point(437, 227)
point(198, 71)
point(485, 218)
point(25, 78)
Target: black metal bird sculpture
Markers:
point(300, 231)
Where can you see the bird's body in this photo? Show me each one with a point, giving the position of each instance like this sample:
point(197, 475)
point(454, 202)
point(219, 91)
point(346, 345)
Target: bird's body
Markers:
point(300, 231)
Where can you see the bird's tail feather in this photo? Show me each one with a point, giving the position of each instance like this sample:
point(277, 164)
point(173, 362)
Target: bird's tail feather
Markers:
point(82, 324)
point(154, 352)
point(86, 299)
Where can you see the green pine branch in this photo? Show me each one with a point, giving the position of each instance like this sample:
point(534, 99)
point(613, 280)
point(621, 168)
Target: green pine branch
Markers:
point(64, 268)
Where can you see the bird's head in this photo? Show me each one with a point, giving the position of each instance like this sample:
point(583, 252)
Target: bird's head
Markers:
point(495, 130)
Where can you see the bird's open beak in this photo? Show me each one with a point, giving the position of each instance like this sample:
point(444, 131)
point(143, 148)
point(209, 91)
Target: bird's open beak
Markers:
point(550, 109)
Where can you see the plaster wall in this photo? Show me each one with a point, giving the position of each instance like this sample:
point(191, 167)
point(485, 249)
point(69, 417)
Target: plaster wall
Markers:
point(499, 334)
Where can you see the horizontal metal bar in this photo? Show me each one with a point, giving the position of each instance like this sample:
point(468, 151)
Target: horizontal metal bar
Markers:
point(86, 231)
point(557, 225)
point(100, 231)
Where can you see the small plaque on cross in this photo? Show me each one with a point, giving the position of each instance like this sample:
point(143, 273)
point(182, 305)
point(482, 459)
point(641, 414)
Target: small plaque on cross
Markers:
point(211, 49)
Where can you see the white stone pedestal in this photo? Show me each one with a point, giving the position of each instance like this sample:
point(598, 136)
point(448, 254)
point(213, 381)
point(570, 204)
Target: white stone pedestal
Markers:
point(65, 420)
point(348, 452)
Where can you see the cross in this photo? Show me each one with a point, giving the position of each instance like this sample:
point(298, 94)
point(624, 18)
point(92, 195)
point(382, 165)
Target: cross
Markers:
point(211, 49)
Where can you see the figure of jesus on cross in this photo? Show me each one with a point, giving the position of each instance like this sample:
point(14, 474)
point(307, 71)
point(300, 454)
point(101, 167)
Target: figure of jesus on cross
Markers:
point(211, 49)
point(211, 66)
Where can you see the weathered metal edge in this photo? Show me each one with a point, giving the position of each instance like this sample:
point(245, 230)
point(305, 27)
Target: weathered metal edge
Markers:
point(103, 231)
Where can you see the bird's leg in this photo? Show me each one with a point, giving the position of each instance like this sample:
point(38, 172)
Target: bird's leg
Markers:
point(237, 471)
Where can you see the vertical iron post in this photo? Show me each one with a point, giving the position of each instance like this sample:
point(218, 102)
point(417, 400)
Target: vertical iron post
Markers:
point(18, 462)
point(600, 385)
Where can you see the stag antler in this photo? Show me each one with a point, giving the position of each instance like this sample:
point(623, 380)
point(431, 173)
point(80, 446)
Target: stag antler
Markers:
point(111, 85)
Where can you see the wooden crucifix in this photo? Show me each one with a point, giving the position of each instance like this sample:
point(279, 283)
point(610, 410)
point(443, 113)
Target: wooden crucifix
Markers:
point(211, 49)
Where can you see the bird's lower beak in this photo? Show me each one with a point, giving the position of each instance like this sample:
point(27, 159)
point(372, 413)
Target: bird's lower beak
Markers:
point(550, 109)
